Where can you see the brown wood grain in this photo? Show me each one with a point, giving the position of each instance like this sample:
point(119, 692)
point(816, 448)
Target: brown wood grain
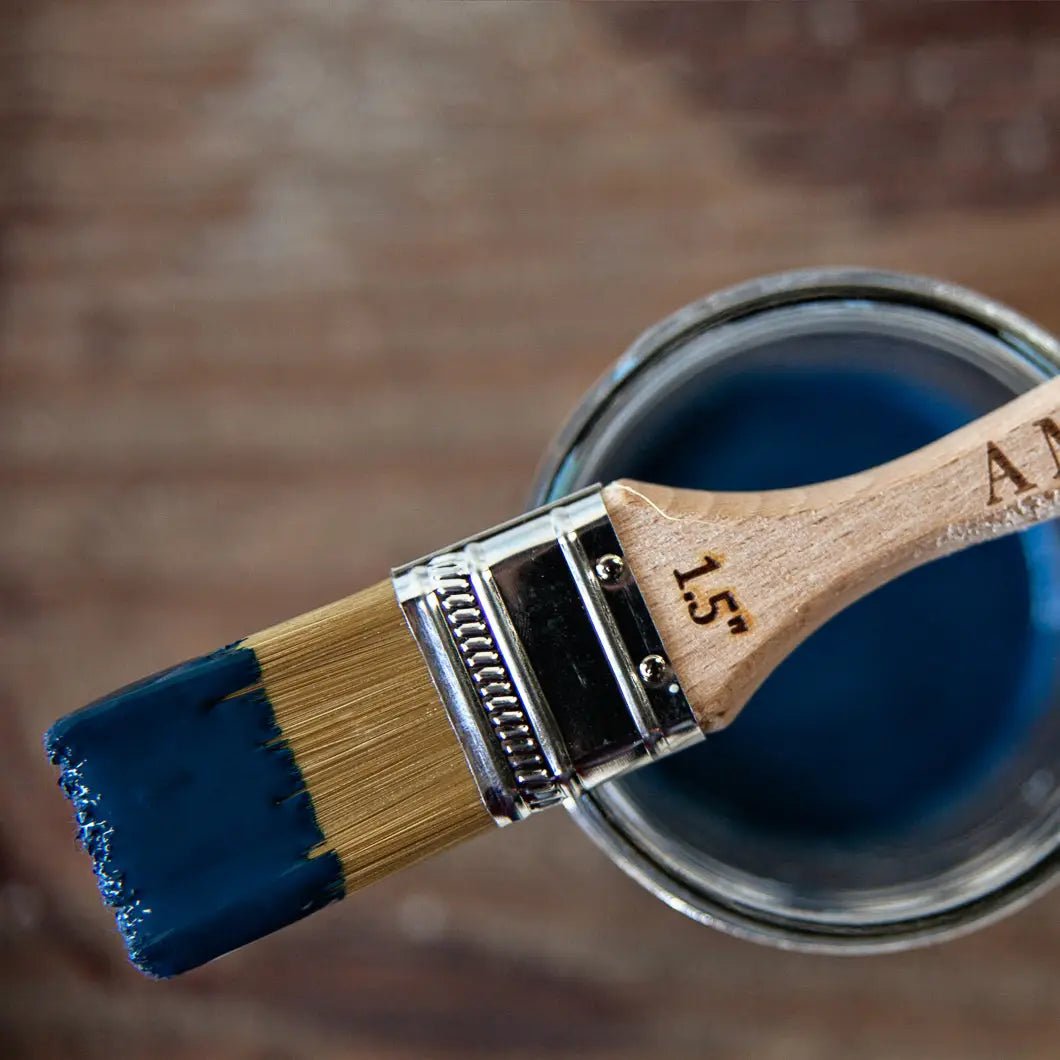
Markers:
point(259, 263)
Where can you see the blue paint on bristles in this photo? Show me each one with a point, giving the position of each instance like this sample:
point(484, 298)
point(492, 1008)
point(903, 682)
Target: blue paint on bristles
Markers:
point(233, 794)
point(202, 834)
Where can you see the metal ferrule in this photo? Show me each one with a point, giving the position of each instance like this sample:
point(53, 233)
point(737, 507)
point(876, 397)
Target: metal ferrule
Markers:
point(541, 647)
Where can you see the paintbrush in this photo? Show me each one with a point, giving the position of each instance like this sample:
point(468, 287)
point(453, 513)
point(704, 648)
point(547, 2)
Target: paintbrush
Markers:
point(237, 792)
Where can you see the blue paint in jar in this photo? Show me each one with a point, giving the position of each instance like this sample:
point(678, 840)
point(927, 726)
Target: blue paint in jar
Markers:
point(904, 702)
point(880, 732)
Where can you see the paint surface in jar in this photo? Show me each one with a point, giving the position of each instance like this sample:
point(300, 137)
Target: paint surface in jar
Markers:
point(901, 706)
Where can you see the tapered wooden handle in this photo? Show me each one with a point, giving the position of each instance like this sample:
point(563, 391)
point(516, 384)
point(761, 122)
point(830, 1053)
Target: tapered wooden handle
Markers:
point(735, 581)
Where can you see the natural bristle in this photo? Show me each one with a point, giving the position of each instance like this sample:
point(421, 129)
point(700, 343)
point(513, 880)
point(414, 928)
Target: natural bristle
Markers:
point(233, 794)
point(351, 693)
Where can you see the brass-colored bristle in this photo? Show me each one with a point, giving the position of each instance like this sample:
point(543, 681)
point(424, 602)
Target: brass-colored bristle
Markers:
point(352, 696)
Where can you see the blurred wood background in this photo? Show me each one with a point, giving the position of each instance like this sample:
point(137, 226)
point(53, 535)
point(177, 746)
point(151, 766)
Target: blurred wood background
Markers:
point(261, 261)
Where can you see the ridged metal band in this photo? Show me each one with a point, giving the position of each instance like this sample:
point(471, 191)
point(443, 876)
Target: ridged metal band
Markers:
point(493, 683)
point(541, 647)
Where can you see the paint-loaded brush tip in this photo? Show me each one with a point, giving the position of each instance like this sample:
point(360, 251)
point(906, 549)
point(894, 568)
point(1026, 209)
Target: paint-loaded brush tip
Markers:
point(235, 793)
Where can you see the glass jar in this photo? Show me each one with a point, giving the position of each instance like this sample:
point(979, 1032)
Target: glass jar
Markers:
point(895, 780)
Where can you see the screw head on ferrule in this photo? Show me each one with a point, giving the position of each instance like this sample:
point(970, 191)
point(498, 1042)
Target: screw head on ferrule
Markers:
point(610, 569)
point(654, 670)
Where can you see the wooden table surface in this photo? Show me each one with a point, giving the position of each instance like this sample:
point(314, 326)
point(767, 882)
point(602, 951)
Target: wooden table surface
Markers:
point(292, 292)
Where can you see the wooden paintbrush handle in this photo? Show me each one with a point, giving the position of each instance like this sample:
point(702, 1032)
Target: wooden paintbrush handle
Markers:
point(735, 581)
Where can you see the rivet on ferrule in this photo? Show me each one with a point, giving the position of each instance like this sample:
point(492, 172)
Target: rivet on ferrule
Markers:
point(610, 569)
point(654, 670)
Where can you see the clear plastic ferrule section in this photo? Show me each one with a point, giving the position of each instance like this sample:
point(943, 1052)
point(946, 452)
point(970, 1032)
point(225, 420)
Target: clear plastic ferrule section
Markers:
point(541, 647)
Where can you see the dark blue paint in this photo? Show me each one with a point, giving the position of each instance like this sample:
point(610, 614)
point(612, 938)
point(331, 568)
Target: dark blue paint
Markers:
point(194, 812)
point(823, 752)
